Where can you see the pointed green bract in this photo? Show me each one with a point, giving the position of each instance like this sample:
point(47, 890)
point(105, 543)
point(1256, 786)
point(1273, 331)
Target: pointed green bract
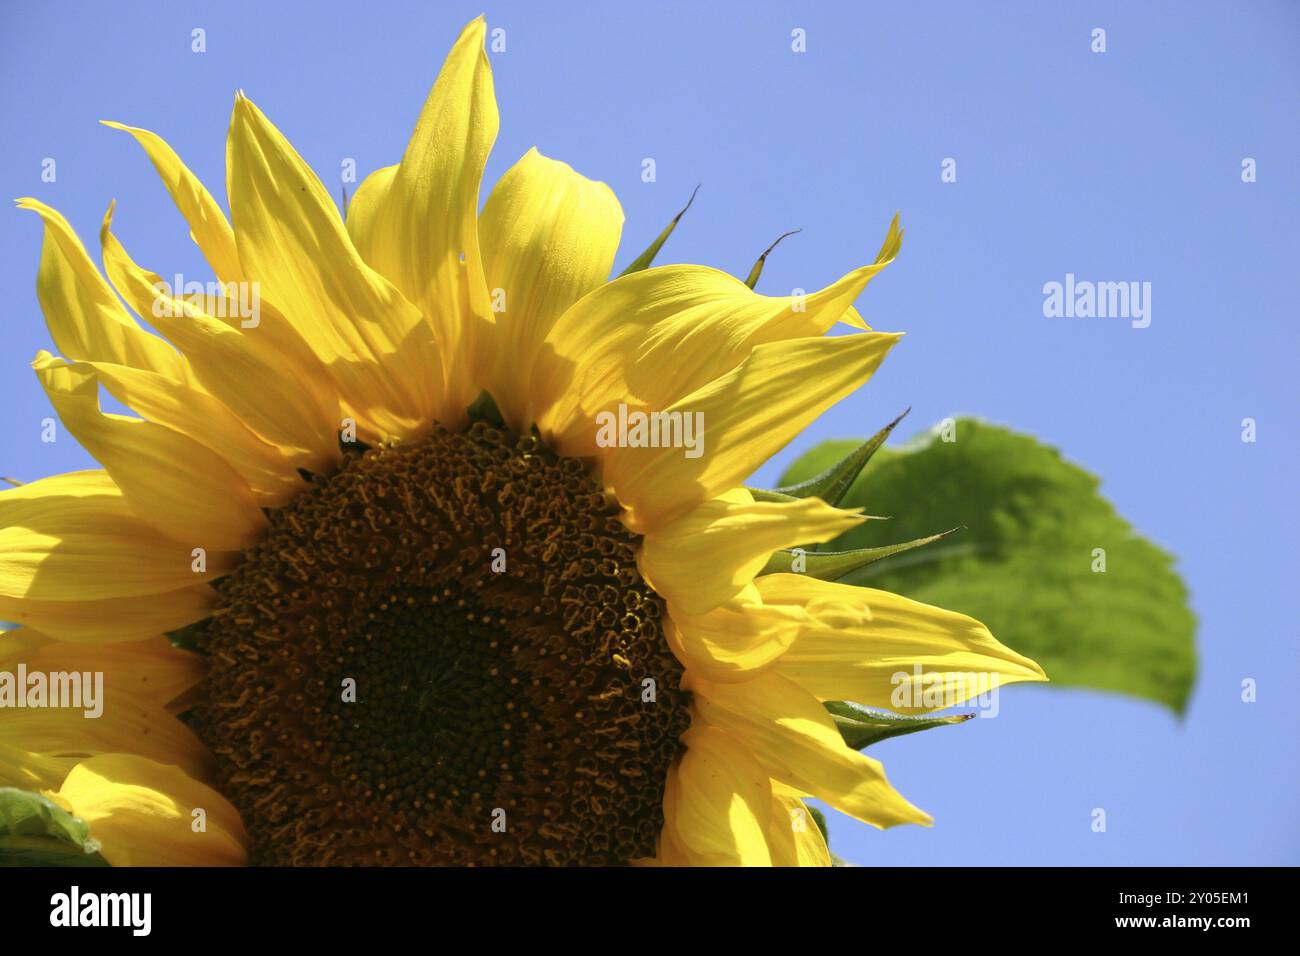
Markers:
point(833, 565)
point(832, 484)
point(189, 637)
point(644, 260)
point(752, 279)
point(863, 726)
point(1043, 559)
point(763, 494)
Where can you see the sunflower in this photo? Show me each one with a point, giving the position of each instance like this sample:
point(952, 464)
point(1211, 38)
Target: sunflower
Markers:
point(365, 581)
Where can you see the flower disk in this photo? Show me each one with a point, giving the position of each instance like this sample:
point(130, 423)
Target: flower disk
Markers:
point(443, 653)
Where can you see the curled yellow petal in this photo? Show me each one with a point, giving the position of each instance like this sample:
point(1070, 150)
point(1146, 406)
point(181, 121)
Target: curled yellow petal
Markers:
point(737, 639)
point(208, 226)
point(85, 318)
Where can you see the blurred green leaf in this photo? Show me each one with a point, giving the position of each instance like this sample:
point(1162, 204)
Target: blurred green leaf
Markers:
point(832, 483)
point(1023, 563)
point(35, 831)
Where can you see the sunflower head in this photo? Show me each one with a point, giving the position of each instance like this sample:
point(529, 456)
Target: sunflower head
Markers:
point(427, 543)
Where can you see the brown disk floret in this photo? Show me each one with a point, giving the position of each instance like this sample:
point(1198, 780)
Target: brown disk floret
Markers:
point(387, 686)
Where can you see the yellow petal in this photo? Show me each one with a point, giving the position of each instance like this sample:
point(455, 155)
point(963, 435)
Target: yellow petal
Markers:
point(127, 724)
point(294, 406)
point(888, 252)
point(669, 854)
point(717, 802)
point(906, 656)
point(705, 557)
point(72, 537)
point(422, 232)
point(195, 413)
point(652, 337)
point(825, 601)
point(153, 670)
point(208, 226)
point(21, 768)
point(793, 737)
point(85, 318)
point(750, 632)
point(548, 238)
point(365, 209)
point(112, 619)
point(795, 837)
point(171, 481)
point(736, 640)
point(377, 346)
point(744, 418)
point(143, 814)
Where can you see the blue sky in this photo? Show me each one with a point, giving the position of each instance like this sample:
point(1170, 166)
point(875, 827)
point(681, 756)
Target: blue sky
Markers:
point(1118, 166)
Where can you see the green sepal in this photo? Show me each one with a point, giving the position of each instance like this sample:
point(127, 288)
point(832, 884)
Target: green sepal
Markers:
point(44, 851)
point(189, 637)
point(863, 726)
point(834, 483)
point(752, 279)
point(484, 409)
point(766, 494)
point(643, 261)
point(35, 831)
point(833, 565)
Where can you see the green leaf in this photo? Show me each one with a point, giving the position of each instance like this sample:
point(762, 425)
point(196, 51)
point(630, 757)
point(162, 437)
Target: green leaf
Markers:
point(1024, 562)
point(862, 726)
point(832, 484)
point(752, 279)
point(35, 831)
point(820, 819)
point(643, 261)
point(45, 851)
point(833, 565)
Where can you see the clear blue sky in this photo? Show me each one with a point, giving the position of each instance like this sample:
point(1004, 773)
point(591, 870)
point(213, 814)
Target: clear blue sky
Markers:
point(1116, 166)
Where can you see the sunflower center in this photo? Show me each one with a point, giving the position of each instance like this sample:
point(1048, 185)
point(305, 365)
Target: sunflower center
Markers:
point(443, 653)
